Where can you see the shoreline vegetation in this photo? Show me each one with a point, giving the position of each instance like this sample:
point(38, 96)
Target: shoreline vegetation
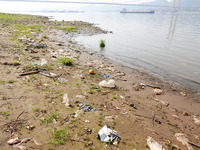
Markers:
point(50, 99)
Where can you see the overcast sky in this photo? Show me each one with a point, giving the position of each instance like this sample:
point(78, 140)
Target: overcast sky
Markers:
point(23, 6)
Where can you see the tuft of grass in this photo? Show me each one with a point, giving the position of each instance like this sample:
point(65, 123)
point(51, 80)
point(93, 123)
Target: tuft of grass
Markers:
point(36, 109)
point(45, 37)
point(50, 118)
point(66, 61)
point(27, 28)
point(58, 137)
point(4, 114)
point(115, 97)
point(16, 63)
point(11, 81)
point(102, 43)
point(68, 29)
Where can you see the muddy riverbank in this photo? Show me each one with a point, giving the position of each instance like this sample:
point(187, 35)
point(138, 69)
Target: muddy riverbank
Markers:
point(45, 108)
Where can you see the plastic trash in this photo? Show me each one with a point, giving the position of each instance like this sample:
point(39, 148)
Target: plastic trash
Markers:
point(91, 71)
point(108, 136)
point(62, 80)
point(80, 96)
point(14, 141)
point(87, 107)
point(65, 100)
point(142, 84)
point(109, 84)
point(78, 112)
point(153, 145)
point(43, 62)
point(181, 138)
point(44, 46)
point(105, 76)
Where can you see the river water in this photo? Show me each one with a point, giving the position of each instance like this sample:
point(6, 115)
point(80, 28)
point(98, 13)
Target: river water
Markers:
point(162, 43)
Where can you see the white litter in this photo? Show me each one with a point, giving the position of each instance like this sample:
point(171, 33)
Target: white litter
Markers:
point(43, 62)
point(181, 138)
point(80, 96)
point(108, 135)
point(65, 100)
point(196, 120)
point(109, 84)
point(153, 144)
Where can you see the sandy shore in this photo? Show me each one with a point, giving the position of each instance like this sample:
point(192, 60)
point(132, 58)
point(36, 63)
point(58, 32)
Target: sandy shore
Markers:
point(136, 112)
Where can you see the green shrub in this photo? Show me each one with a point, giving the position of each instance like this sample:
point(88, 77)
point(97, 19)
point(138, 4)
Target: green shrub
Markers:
point(58, 137)
point(102, 43)
point(50, 118)
point(66, 61)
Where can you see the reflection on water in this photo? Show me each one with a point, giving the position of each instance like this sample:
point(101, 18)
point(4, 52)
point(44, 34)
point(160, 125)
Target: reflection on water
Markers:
point(160, 41)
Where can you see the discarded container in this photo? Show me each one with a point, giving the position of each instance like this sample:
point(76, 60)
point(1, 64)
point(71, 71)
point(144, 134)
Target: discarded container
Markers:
point(14, 141)
point(109, 84)
point(91, 71)
point(142, 84)
point(153, 145)
point(109, 136)
point(65, 100)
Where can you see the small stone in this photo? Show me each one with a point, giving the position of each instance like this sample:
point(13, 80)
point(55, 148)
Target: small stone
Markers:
point(137, 88)
point(86, 121)
point(158, 91)
point(30, 127)
point(175, 147)
point(90, 143)
point(185, 114)
point(183, 94)
point(196, 120)
point(88, 130)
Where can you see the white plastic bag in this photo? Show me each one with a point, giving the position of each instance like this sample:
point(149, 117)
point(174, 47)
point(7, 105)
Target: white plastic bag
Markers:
point(109, 84)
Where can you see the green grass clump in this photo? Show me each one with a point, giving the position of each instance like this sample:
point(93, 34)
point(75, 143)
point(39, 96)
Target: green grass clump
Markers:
point(11, 81)
point(33, 28)
point(66, 61)
point(36, 109)
point(7, 16)
point(58, 137)
point(16, 63)
point(102, 43)
point(50, 118)
point(4, 114)
point(68, 29)
point(115, 97)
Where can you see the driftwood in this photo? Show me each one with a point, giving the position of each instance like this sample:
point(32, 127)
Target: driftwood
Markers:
point(12, 126)
point(193, 144)
point(10, 64)
point(152, 118)
point(5, 104)
point(29, 73)
point(41, 73)
point(155, 87)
